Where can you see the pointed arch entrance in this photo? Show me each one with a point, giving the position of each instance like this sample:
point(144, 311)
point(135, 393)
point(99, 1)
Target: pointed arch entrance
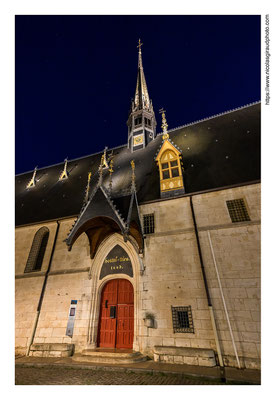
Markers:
point(116, 322)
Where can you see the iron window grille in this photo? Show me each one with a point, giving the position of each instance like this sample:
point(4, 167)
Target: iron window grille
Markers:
point(237, 210)
point(182, 319)
point(148, 220)
point(36, 255)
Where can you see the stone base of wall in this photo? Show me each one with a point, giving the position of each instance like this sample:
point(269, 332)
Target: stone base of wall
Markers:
point(185, 355)
point(20, 351)
point(245, 362)
point(51, 350)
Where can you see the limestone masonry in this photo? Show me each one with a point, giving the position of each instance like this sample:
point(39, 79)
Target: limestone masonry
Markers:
point(152, 247)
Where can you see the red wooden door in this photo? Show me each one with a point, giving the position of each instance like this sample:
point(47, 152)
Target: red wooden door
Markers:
point(125, 315)
point(107, 325)
point(117, 332)
point(124, 337)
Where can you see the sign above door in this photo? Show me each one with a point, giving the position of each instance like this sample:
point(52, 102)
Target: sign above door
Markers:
point(116, 262)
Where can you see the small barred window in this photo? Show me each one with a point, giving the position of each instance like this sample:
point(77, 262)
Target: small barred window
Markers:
point(148, 223)
point(237, 210)
point(37, 251)
point(182, 319)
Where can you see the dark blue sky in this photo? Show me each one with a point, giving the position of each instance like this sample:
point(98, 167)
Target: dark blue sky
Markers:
point(75, 77)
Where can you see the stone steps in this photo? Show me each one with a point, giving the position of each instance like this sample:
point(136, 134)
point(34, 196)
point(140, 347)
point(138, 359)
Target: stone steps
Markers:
point(109, 357)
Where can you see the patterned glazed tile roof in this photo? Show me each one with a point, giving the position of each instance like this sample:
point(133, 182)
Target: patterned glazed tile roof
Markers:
point(219, 151)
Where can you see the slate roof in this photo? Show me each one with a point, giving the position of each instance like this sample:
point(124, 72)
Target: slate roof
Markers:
point(220, 151)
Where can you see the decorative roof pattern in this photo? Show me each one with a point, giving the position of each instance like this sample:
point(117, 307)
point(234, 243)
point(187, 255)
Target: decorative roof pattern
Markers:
point(217, 152)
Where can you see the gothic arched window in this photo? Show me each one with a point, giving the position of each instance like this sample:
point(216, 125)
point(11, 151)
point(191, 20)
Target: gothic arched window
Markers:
point(37, 251)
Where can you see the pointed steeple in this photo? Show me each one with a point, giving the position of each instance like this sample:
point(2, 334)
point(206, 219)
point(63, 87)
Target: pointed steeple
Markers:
point(141, 100)
point(141, 121)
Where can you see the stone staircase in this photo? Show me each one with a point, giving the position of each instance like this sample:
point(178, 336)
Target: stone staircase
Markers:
point(110, 356)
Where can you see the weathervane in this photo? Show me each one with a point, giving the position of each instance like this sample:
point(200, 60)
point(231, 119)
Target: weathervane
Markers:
point(164, 125)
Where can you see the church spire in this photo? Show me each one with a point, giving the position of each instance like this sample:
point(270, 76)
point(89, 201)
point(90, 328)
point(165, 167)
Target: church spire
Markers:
point(141, 121)
point(141, 100)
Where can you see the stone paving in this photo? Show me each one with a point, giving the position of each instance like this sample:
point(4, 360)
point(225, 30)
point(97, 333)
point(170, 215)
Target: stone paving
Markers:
point(51, 375)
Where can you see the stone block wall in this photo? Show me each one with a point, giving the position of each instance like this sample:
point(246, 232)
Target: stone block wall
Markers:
point(173, 275)
point(185, 355)
point(61, 289)
point(68, 280)
point(27, 293)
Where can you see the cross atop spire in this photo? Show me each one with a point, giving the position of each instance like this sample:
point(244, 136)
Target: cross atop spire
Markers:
point(140, 44)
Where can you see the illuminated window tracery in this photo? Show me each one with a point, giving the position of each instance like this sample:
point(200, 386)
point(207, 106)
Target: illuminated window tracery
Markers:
point(169, 163)
point(170, 169)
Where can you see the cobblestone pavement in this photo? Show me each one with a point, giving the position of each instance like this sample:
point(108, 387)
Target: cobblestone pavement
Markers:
point(49, 375)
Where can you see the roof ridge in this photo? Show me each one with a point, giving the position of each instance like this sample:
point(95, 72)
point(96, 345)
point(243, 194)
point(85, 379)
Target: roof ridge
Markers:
point(211, 117)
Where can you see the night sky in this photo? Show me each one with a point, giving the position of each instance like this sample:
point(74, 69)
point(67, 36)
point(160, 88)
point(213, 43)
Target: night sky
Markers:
point(75, 77)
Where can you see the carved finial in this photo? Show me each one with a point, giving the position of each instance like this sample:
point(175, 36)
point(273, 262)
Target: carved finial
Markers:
point(104, 162)
point(87, 187)
point(110, 175)
point(133, 173)
point(64, 174)
point(164, 125)
point(101, 169)
point(111, 167)
point(33, 180)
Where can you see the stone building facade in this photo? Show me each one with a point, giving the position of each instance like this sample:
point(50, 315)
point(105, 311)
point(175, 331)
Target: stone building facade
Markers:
point(190, 249)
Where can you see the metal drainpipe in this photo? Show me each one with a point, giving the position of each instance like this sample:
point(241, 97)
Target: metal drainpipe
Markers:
point(42, 293)
point(208, 295)
point(223, 300)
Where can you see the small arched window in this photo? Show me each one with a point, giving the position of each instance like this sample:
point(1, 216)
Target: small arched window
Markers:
point(37, 251)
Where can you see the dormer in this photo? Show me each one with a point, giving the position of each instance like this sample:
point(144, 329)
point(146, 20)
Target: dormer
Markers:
point(170, 166)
